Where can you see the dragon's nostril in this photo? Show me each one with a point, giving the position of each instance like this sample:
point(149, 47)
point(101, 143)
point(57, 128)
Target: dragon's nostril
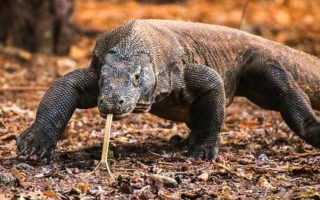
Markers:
point(101, 101)
point(121, 102)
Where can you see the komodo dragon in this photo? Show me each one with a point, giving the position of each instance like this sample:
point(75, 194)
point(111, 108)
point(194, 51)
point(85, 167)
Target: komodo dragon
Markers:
point(182, 71)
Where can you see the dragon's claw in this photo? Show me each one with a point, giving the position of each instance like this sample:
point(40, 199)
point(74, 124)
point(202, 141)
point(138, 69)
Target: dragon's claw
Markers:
point(35, 141)
point(206, 151)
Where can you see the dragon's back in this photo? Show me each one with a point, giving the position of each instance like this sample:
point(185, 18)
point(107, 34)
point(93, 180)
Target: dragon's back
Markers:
point(224, 49)
point(304, 68)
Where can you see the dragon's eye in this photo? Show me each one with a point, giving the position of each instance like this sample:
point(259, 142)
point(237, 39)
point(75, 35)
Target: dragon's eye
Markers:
point(137, 77)
point(136, 80)
point(112, 51)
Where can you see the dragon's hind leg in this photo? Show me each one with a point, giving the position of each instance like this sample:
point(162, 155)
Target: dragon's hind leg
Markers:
point(268, 84)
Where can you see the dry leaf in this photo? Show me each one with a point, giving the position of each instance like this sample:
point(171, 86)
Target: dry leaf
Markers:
point(263, 183)
point(164, 179)
point(204, 176)
point(51, 195)
point(82, 187)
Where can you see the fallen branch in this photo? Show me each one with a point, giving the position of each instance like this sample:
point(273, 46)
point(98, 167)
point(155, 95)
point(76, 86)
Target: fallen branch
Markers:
point(16, 52)
point(231, 171)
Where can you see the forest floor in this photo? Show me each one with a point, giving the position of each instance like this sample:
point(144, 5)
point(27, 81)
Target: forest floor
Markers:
point(259, 158)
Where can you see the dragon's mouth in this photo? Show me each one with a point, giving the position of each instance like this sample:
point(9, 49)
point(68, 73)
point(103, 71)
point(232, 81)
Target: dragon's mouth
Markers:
point(120, 116)
point(139, 108)
point(116, 116)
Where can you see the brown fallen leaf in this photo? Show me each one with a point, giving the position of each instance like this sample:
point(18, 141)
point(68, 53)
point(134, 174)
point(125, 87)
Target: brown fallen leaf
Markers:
point(204, 176)
point(249, 124)
point(82, 187)
point(51, 195)
point(307, 195)
point(170, 182)
point(8, 137)
point(3, 128)
point(263, 183)
point(21, 177)
point(191, 195)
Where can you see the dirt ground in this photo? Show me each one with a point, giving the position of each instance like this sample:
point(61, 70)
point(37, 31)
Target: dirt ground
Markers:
point(259, 158)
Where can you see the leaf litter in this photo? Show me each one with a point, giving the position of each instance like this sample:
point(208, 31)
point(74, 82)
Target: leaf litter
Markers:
point(259, 156)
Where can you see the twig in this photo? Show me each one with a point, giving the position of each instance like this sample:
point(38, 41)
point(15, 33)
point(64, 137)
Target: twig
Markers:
point(15, 52)
point(166, 163)
point(284, 169)
point(142, 165)
point(297, 156)
point(230, 170)
point(309, 186)
point(311, 154)
point(126, 169)
point(23, 88)
point(243, 13)
point(142, 189)
point(193, 170)
point(156, 154)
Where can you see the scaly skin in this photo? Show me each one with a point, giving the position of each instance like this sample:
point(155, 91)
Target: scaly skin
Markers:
point(185, 72)
point(78, 89)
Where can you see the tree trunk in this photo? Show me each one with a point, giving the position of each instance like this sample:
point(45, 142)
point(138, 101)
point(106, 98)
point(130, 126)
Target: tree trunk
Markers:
point(37, 25)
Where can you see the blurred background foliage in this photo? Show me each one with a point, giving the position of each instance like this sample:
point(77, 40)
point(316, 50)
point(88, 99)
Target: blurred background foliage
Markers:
point(42, 40)
point(53, 26)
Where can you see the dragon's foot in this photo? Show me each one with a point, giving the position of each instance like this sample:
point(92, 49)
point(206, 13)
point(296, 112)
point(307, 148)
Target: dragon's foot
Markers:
point(35, 141)
point(206, 149)
point(312, 135)
point(178, 142)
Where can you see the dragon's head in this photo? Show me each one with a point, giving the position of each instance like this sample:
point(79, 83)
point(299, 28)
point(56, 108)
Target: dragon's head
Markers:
point(127, 79)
